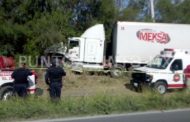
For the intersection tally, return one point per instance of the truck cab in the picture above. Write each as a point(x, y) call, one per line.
point(87, 51)
point(73, 53)
point(165, 71)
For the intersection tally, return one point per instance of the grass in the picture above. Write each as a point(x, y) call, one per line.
point(38, 107)
point(85, 85)
point(90, 95)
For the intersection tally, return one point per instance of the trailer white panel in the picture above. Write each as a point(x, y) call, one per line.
point(137, 42)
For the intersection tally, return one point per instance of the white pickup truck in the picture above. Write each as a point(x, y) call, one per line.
point(6, 84)
point(165, 71)
point(6, 81)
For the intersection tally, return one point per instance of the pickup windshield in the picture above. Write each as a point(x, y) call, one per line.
point(159, 62)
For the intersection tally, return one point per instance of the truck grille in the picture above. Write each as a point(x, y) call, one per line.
point(139, 76)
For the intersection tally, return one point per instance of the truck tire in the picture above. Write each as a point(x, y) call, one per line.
point(6, 92)
point(116, 72)
point(160, 87)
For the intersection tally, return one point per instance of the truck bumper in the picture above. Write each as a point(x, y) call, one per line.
point(137, 85)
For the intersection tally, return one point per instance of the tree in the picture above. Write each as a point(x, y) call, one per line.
point(36, 24)
point(166, 10)
point(48, 30)
point(183, 16)
point(33, 24)
point(135, 10)
point(175, 11)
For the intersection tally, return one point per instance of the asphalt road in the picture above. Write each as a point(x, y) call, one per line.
point(182, 115)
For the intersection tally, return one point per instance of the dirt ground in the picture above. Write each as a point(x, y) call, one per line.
point(85, 84)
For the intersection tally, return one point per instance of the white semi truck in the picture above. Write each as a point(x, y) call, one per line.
point(132, 43)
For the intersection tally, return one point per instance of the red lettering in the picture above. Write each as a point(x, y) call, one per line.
point(165, 37)
point(152, 36)
point(159, 37)
point(143, 36)
point(5, 73)
point(149, 37)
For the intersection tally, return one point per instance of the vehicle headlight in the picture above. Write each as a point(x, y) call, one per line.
point(149, 78)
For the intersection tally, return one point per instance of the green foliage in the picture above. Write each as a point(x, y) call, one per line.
point(183, 13)
point(128, 14)
point(49, 29)
point(34, 25)
point(6, 50)
point(90, 12)
point(30, 26)
point(10, 36)
point(167, 10)
point(174, 13)
point(107, 14)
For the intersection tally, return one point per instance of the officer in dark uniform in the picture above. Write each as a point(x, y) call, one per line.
point(20, 76)
point(53, 78)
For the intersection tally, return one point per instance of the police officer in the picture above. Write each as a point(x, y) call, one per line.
point(53, 78)
point(20, 76)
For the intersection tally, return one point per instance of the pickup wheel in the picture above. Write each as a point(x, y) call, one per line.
point(6, 92)
point(160, 87)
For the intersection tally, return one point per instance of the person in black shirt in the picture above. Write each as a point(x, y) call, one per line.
point(53, 78)
point(20, 76)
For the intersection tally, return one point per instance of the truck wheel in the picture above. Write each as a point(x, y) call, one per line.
point(6, 92)
point(116, 72)
point(161, 87)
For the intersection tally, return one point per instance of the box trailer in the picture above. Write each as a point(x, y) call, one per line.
point(132, 43)
point(136, 42)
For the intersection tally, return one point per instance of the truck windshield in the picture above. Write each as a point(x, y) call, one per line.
point(159, 62)
point(73, 43)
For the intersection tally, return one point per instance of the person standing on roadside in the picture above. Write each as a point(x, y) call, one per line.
point(20, 76)
point(53, 78)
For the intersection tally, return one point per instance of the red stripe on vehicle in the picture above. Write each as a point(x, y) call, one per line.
point(176, 85)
